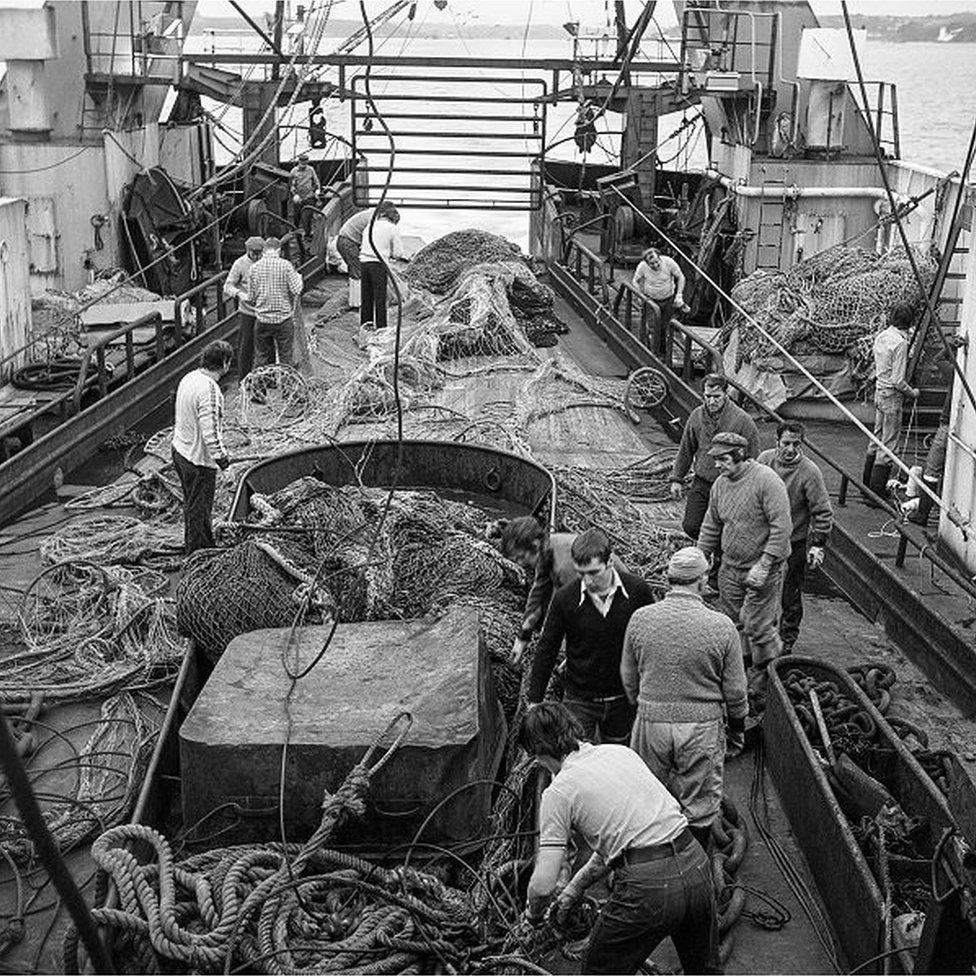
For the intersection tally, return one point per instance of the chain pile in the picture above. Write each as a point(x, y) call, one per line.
point(890, 839)
point(832, 303)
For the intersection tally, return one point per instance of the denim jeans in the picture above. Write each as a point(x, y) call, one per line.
point(245, 344)
point(613, 718)
point(696, 504)
point(372, 306)
point(670, 897)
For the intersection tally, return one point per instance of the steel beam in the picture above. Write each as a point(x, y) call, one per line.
point(587, 66)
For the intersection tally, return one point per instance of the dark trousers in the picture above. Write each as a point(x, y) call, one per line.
point(349, 252)
point(696, 505)
point(670, 897)
point(613, 719)
point(372, 307)
point(792, 605)
point(269, 336)
point(245, 344)
point(199, 484)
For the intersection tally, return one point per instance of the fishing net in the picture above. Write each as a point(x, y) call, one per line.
point(832, 303)
point(88, 630)
point(271, 396)
point(439, 265)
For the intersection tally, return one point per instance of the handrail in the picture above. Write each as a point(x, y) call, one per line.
point(198, 289)
point(923, 549)
point(97, 349)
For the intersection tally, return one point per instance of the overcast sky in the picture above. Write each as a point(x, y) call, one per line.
point(589, 12)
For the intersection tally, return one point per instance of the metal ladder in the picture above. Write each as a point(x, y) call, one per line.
point(769, 233)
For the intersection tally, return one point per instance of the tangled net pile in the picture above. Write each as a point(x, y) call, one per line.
point(306, 909)
point(89, 630)
point(109, 769)
point(430, 553)
point(832, 303)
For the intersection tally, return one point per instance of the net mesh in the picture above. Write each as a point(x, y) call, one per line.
point(832, 303)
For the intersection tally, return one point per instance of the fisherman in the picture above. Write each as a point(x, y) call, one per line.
point(198, 442)
point(304, 186)
point(592, 614)
point(350, 239)
point(236, 286)
point(715, 414)
point(660, 281)
point(548, 556)
point(662, 880)
point(749, 517)
point(274, 287)
point(890, 389)
point(682, 667)
point(381, 242)
point(812, 515)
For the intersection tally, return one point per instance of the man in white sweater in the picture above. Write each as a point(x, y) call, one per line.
point(198, 442)
point(381, 242)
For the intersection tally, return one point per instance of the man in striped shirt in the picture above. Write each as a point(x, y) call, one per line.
point(274, 288)
point(198, 442)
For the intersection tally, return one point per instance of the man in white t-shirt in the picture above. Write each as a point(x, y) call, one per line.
point(660, 282)
point(662, 879)
point(198, 442)
point(380, 244)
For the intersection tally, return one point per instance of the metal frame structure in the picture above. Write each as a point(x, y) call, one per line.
point(469, 189)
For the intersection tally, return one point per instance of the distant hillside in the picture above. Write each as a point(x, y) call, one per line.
point(949, 28)
point(344, 27)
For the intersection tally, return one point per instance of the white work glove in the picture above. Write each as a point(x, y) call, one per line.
point(757, 575)
point(815, 556)
point(677, 490)
point(518, 649)
point(915, 393)
point(297, 198)
point(735, 742)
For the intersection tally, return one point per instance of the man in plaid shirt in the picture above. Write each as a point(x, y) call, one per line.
point(274, 289)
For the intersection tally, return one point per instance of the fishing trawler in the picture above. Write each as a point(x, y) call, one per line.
point(107, 162)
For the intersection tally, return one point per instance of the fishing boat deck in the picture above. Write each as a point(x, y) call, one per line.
point(593, 436)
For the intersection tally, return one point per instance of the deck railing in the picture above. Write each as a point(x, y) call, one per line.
point(592, 271)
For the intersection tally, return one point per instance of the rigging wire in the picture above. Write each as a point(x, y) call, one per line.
point(949, 508)
point(876, 145)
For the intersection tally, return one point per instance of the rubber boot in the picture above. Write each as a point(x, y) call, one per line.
point(704, 837)
point(866, 473)
point(879, 482)
point(925, 504)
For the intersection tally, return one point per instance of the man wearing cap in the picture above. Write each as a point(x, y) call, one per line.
point(682, 667)
point(303, 186)
point(749, 518)
point(813, 519)
point(236, 286)
point(716, 413)
point(274, 287)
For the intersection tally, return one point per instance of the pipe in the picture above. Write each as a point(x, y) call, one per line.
point(795, 192)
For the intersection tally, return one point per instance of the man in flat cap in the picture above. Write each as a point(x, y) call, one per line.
point(682, 667)
point(749, 518)
point(235, 286)
point(303, 186)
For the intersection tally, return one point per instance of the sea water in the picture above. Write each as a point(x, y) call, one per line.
point(936, 102)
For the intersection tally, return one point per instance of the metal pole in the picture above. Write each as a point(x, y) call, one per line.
point(47, 849)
